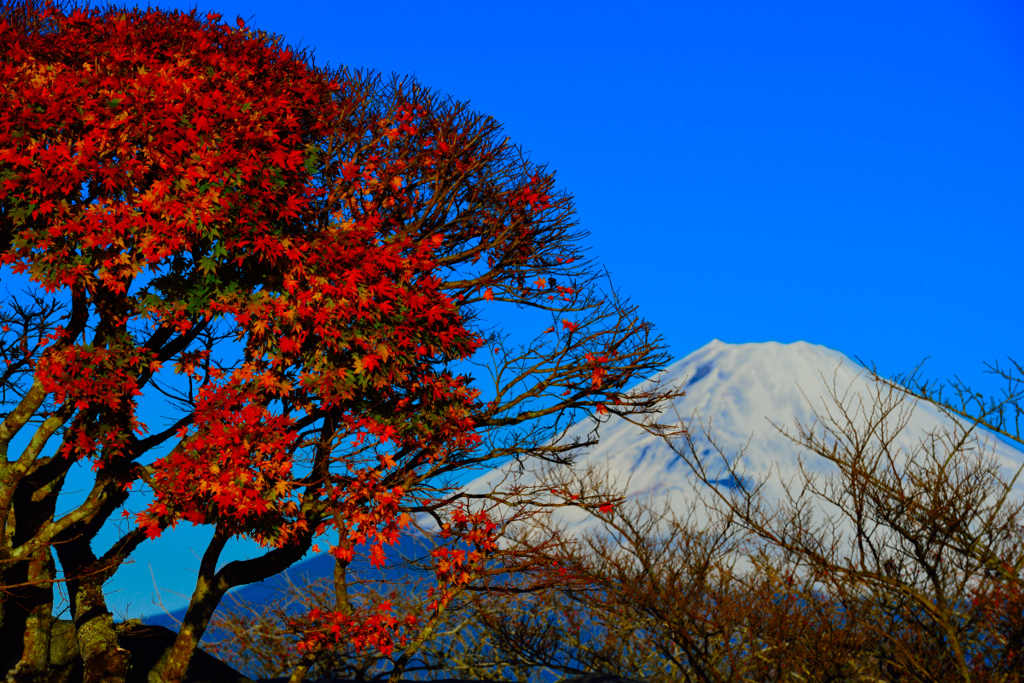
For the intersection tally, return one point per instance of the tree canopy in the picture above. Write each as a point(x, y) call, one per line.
point(301, 265)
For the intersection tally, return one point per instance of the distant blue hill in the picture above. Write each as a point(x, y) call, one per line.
point(319, 566)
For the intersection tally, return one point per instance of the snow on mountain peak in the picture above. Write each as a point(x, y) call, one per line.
point(739, 391)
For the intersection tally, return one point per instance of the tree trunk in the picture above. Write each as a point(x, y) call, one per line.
point(34, 639)
point(210, 588)
point(28, 604)
point(103, 659)
point(205, 598)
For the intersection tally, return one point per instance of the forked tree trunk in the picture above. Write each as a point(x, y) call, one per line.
point(210, 589)
point(172, 666)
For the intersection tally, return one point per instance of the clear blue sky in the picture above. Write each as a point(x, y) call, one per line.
point(846, 173)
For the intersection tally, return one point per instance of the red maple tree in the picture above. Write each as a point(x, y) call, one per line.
point(301, 263)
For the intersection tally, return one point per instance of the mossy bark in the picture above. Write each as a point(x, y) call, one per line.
point(35, 655)
point(28, 602)
point(103, 659)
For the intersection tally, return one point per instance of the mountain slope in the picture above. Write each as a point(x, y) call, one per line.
point(737, 391)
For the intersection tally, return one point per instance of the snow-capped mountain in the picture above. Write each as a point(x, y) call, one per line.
point(739, 391)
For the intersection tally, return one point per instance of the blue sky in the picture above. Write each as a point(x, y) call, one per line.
point(846, 173)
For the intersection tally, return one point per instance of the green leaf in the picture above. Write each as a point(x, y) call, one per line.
point(311, 161)
point(207, 265)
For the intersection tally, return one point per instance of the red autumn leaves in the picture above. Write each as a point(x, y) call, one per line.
point(173, 135)
point(181, 182)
